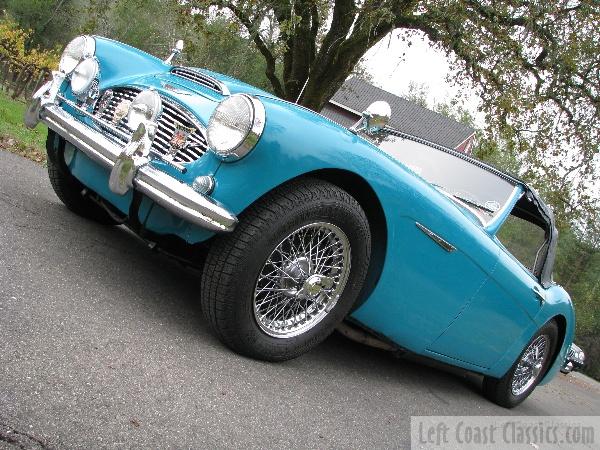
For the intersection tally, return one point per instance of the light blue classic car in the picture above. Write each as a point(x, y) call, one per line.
point(301, 226)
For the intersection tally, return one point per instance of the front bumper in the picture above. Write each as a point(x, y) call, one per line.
point(574, 361)
point(175, 196)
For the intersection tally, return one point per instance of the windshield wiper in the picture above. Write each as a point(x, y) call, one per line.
point(465, 200)
point(472, 203)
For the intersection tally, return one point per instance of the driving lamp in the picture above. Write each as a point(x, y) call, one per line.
point(79, 48)
point(147, 105)
point(83, 75)
point(235, 126)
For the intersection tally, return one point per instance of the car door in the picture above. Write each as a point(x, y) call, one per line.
point(439, 255)
point(508, 302)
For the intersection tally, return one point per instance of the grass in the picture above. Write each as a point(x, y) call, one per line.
point(14, 136)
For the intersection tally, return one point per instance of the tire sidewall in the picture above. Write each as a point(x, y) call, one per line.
point(503, 386)
point(323, 210)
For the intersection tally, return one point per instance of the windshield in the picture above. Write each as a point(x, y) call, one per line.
point(482, 192)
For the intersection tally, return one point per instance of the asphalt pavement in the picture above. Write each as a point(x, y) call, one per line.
point(102, 344)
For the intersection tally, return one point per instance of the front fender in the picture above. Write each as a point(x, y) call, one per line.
point(297, 141)
point(558, 303)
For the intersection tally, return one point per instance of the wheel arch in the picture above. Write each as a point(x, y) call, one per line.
point(365, 195)
point(561, 322)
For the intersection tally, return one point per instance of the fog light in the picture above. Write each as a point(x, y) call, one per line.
point(204, 184)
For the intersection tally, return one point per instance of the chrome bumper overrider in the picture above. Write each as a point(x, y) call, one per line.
point(129, 170)
point(574, 361)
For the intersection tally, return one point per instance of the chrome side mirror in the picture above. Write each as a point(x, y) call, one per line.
point(375, 118)
point(175, 52)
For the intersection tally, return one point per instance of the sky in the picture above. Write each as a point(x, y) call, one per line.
point(393, 65)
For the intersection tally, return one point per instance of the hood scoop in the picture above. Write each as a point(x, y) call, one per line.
point(200, 78)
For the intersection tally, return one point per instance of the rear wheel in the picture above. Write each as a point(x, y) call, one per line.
point(289, 273)
point(69, 189)
point(525, 374)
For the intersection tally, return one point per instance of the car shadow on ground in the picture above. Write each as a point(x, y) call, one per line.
point(179, 302)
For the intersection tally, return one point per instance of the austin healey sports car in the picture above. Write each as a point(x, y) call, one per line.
point(304, 225)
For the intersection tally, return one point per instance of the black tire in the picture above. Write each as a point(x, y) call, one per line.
point(68, 189)
point(235, 260)
point(499, 390)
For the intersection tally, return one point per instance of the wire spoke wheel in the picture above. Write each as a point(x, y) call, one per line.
point(530, 365)
point(302, 280)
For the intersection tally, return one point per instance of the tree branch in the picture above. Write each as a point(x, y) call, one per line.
point(254, 31)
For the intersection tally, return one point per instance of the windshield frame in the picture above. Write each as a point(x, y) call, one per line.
point(484, 220)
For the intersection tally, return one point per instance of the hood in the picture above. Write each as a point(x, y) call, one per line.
point(200, 96)
point(199, 100)
point(236, 86)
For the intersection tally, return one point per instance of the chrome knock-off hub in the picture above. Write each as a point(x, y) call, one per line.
point(302, 280)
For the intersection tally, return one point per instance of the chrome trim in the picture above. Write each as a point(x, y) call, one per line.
point(166, 122)
point(574, 361)
point(90, 80)
point(175, 52)
point(437, 239)
point(121, 134)
point(177, 197)
point(96, 119)
point(254, 134)
point(530, 366)
point(302, 280)
point(196, 76)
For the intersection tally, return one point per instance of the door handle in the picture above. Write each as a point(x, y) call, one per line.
point(540, 294)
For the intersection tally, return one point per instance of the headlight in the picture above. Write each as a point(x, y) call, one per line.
point(83, 75)
point(79, 48)
point(235, 126)
point(145, 106)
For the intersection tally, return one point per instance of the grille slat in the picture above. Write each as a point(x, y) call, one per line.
point(172, 116)
point(200, 78)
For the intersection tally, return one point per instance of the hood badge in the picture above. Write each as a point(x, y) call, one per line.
point(104, 102)
point(121, 110)
point(179, 140)
point(174, 89)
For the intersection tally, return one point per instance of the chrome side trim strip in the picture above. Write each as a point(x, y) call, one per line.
point(177, 197)
point(436, 238)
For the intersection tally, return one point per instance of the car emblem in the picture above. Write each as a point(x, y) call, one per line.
point(121, 111)
point(104, 102)
point(179, 139)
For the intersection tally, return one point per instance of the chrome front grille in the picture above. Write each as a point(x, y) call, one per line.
point(173, 119)
point(200, 78)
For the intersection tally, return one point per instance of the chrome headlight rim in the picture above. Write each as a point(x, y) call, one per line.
point(73, 56)
point(249, 141)
point(94, 70)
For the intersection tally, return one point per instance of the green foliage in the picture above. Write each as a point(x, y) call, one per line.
point(417, 93)
point(150, 25)
point(218, 46)
point(14, 46)
point(13, 134)
point(522, 239)
point(52, 22)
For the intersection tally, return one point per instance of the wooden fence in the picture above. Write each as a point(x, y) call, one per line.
point(20, 81)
